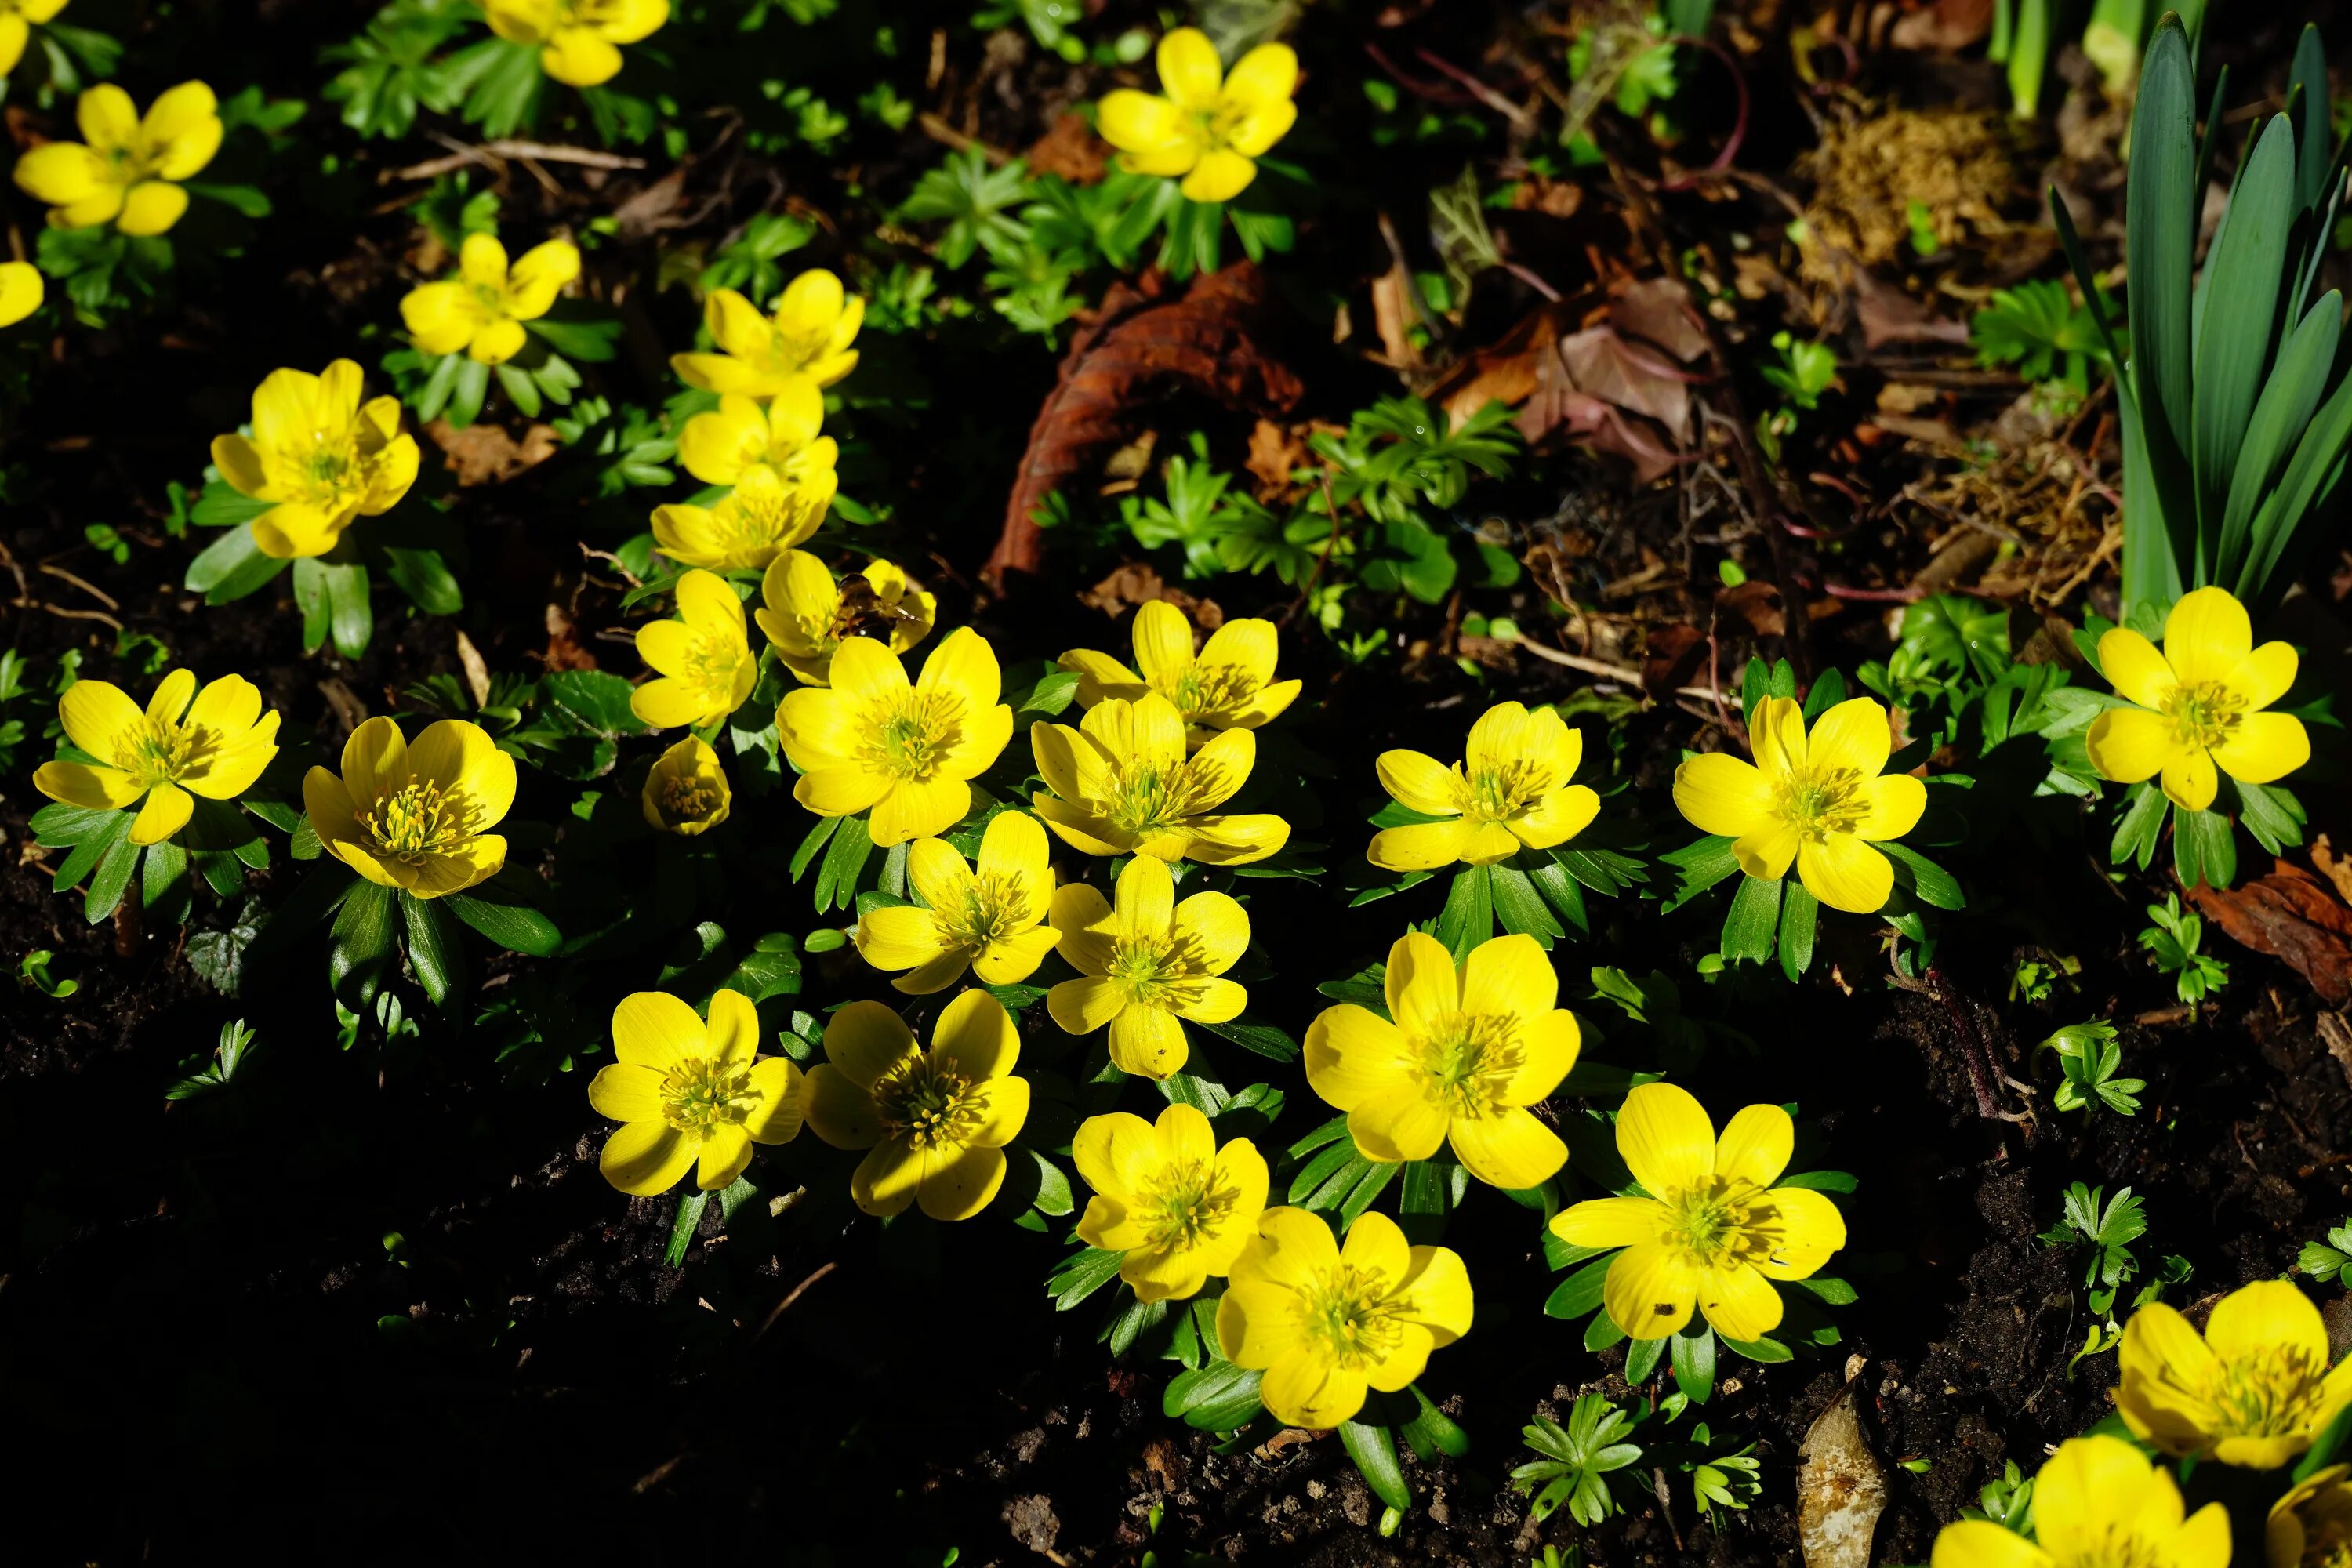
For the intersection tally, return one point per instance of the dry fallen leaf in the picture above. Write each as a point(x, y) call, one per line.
point(1841, 1488)
point(2289, 914)
point(486, 454)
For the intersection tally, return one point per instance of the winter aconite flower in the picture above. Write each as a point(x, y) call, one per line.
point(804, 343)
point(415, 817)
point(1712, 1232)
point(22, 290)
point(1818, 800)
point(704, 659)
point(320, 455)
point(750, 526)
point(1180, 1207)
point(2254, 1390)
point(214, 746)
point(1146, 963)
point(482, 310)
point(805, 612)
point(1207, 126)
point(719, 447)
point(937, 1122)
point(988, 920)
point(125, 170)
point(690, 1095)
point(2311, 1526)
point(1467, 1052)
point(2097, 1503)
point(579, 39)
point(1510, 792)
point(686, 790)
point(906, 749)
point(1327, 1325)
point(2200, 704)
point(1122, 783)
point(1228, 685)
point(16, 17)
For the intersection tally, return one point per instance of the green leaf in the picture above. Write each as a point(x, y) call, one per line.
point(1520, 908)
point(222, 505)
point(2240, 319)
point(1373, 1448)
point(111, 878)
point(1642, 1359)
point(1931, 883)
point(1220, 1397)
point(360, 951)
point(1579, 1293)
point(1751, 921)
point(352, 621)
point(1432, 1432)
point(1694, 1363)
point(508, 922)
point(435, 953)
point(1468, 918)
point(231, 567)
point(683, 1224)
point(1798, 911)
point(425, 578)
point(1766, 1351)
point(1251, 1036)
point(2162, 205)
point(1081, 1276)
point(163, 883)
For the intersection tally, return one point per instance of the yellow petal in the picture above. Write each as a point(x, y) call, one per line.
point(578, 57)
point(91, 788)
point(22, 288)
point(885, 1181)
point(1419, 783)
point(1755, 1144)
point(919, 809)
point(956, 1183)
point(1135, 121)
point(1261, 127)
point(1649, 1292)
point(1665, 1138)
point(1512, 1150)
point(1147, 1041)
point(1720, 794)
point(726, 1150)
point(1981, 1544)
point(1422, 984)
point(1163, 641)
point(1808, 1230)
point(1403, 1123)
point(1853, 734)
point(98, 716)
point(1892, 805)
point(777, 1084)
point(2128, 744)
point(1219, 176)
point(1604, 1223)
point(1510, 976)
point(975, 1036)
point(2207, 636)
point(2265, 675)
point(63, 173)
point(1189, 73)
point(2093, 1485)
point(627, 1093)
point(1558, 817)
point(2135, 668)
point(166, 812)
point(460, 755)
point(864, 1040)
point(839, 1111)
point(1083, 1006)
point(1218, 927)
point(654, 1029)
point(2267, 1317)
point(1739, 1302)
point(1421, 846)
point(106, 118)
point(646, 1158)
point(1116, 1154)
point(1353, 1056)
point(2265, 747)
point(2190, 780)
point(1267, 75)
point(1846, 873)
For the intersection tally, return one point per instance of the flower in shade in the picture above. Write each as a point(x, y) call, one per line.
point(1818, 800)
point(1203, 125)
point(686, 790)
point(2311, 1526)
point(579, 40)
point(1178, 1207)
point(2200, 704)
point(806, 342)
point(763, 516)
point(720, 447)
point(16, 17)
point(690, 1095)
point(415, 817)
point(935, 1123)
point(22, 290)
point(1121, 783)
point(320, 456)
point(126, 170)
point(2097, 1503)
point(215, 745)
point(908, 751)
point(1511, 792)
point(703, 658)
point(1228, 685)
point(1462, 1054)
point(989, 919)
point(805, 612)
point(1146, 963)
point(2254, 1390)
point(482, 310)
point(1327, 1325)
point(1710, 1230)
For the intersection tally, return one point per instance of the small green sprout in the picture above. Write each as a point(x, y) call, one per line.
point(35, 971)
point(2089, 1056)
point(229, 1057)
point(1578, 1459)
point(2173, 941)
point(2327, 1261)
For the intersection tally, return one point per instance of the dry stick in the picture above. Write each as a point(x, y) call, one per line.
point(939, 130)
point(61, 573)
point(790, 1297)
point(494, 153)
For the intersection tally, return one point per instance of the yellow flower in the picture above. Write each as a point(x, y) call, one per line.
point(1121, 783)
point(1180, 1207)
point(1820, 802)
point(1229, 685)
point(1512, 792)
point(16, 29)
point(991, 923)
point(805, 614)
point(806, 342)
point(2097, 1503)
point(2254, 1390)
point(1468, 1051)
point(125, 170)
point(1713, 1231)
point(482, 310)
point(2200, 704)
point(1208, 127)
point(704, 660)
point(935, 1120)
point(686, 790)
point(1146, 963)
point(2311, 1526)
point(577, 38)
point(871, 739)
point(752, 524)
point(688, 1094)
point(1327, 1325)
point(721, 447)
point(319, 454)
point(22, 290)
point(415, 817)
point(214, 746)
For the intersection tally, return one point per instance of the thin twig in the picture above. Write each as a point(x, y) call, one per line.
point(790, 1297)
point(61, 573)
point(495, 152)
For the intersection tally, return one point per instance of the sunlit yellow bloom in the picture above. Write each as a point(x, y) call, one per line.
point(1121, 783)
point(216, 746)
point(1468, 1051)
point(807, 614)
point(1819, 801)
point(935, 1120)
point(22, 290)
point(578, 39)
point(125, 170)
point(1228, 685)
point(2311, 1526)
point(1714, 1232)
point(2097, 1503)
point(690, 1095)
point(1511, 792)
point(416, 817)
point(1327, 1323)
point(704, 659)
point(686, 790)
point(2254, 1390)
point(16, 29)
point(991, 923)
point(482, 310)
point(751, 524)
point(1146, 963)
point(1208, 127)
point(322, 456)
point(720, 447)
point(2200, 703)
point(1180, 1207)
point(908, 751)
point(806, 343)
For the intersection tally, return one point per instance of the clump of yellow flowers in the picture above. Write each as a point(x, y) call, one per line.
point(214, 742)
point(579, 40)
point(320, 456)
point(1511, 792)
point(16, 17)
point(805, 612)
point(482, 310)
point(1177, 1206)
point(1204, 126)
point(988, 920)
point(1228, 685)
point(690, 1096)
point(703, 658)
point(686, 790)
point(806, 343)
point(1146, 963)
point(415, 817)
point(1123, 784)
point(781, 477)
point(2254, 1390)
point(2097, 1503)
point(127, 169)
point(2197, 704)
